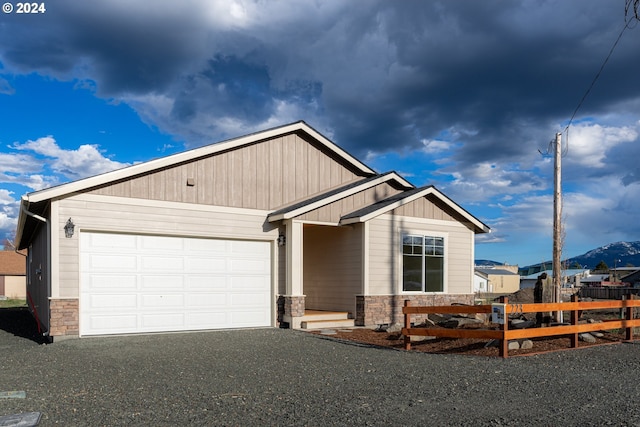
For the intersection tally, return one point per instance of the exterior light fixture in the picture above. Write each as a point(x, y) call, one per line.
point(68, 229)
point(281, 240)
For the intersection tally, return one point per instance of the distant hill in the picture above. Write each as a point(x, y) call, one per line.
point(618, 254)
point(486, 263)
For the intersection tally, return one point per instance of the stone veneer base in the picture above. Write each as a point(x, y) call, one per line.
point(64, 317)
point(374, 310)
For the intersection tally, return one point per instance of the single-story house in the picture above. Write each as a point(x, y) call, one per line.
point(257, 231)
point(13, 275)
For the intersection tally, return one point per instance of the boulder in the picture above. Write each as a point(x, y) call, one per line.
point(526, 345)
point(586, 337)
point(514, 345)
point(394, 329)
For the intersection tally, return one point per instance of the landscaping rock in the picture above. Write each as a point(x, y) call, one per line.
point(586, 337)
point(514, 345)
point(597, 334)
point(395, 328)
point(526, 344)
point(521, 324)
point(439, 318)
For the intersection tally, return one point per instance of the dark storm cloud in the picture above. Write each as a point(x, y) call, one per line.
point(384, 76)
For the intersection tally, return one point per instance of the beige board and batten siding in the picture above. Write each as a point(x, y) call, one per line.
point(265, 175)
point(332, 212)
point(332, 270)
point(124, 215)
point(385, 249)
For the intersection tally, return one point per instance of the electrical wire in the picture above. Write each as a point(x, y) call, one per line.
point(629, 5)
point(597, 76)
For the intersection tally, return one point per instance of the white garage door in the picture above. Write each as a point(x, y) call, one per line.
point(132, 284)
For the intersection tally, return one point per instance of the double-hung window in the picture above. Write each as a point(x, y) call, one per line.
point(422, 263)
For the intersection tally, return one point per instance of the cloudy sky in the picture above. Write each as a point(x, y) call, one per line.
point(464, 95)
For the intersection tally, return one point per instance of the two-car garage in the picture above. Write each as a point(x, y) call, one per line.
point(131, 283)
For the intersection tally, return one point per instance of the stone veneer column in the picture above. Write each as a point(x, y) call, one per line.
point(291, 310)
point(64, 316)
point(374, 310)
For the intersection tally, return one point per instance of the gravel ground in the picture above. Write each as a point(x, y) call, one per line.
point(283, 377)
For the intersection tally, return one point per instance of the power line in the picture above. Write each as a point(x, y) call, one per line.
point(597, 76)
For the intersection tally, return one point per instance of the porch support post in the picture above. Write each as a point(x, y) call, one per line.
point(294, 257)
point(294, 298)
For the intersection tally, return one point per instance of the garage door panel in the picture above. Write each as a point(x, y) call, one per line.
point(104, 262)
point(161, 244)
point(206, 300)
point(248, 266)
point(170, 282)
point(195, 320)
point(247, 318)
point(206, 283)
point(133, 284)
point(162, 301)
point(209, 246)
point(206, 265)
point(98, 282)
point(240, 248)
point(248, 284)
point(120, 241)
point(162, 322)
point(249, 300)
point(162, 263)
point(103, 324)
point(114, 302)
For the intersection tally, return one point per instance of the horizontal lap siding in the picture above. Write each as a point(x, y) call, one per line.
point(385, 266)
point(107, 214)
point(265, 176)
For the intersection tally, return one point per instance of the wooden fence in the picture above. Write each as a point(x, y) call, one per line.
point(504, 334)
point(607, 292)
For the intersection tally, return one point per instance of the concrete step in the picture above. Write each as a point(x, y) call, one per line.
point(311, 315)
point(327, 324)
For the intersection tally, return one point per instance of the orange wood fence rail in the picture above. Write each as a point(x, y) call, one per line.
point(504, 334)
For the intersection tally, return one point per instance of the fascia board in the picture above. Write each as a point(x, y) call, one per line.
point(335, 197)
point(127, 172)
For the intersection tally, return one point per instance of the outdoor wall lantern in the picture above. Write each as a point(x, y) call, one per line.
point(281, 240)
point(68, 229)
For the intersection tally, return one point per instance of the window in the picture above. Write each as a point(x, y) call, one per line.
point(422, 263)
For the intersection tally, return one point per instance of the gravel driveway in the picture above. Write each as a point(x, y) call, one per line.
point(283, 377)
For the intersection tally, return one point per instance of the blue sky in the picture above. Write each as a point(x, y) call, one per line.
point(459, 94)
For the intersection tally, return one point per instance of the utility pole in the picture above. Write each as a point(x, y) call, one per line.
point(557, 224)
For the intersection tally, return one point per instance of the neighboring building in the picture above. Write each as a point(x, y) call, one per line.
point(255, 231)
point(481, 282)
point(501, 279)
point(12, 275)
point(570, 278)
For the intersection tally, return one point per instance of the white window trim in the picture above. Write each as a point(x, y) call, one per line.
point(425, 233)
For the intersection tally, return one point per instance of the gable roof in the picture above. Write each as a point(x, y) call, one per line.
point(152, 165)
point(390, 203)
point(324, 199)
point(34, 205)
point(12, 264)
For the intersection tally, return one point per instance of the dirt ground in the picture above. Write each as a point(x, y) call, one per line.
point(477, 347)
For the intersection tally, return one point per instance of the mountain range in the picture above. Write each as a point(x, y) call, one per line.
point(619, 254)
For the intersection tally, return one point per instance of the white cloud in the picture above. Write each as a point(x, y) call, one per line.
point(589, 143)
point(87, 160)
